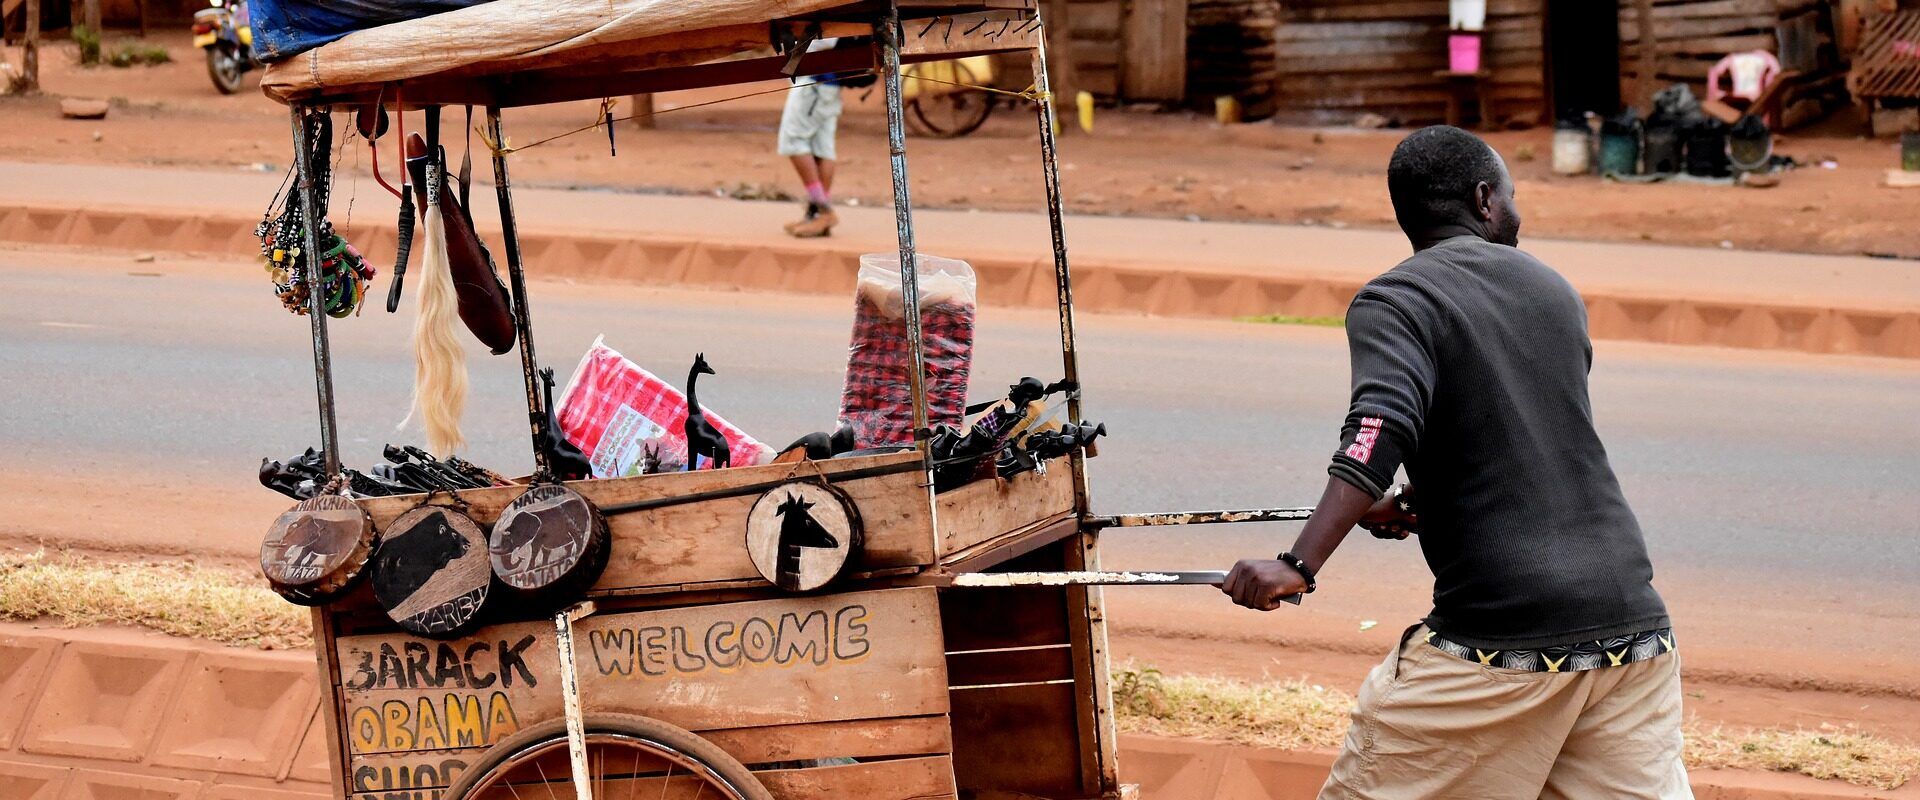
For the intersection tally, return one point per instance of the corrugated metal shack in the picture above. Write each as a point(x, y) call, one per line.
point(1339, 59)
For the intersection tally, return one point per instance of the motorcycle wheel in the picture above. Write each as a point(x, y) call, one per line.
point(223, 66)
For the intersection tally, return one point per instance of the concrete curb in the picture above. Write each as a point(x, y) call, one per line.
point(825, 267)
point(1181, 768)
point(103, 715)
point(95, 715)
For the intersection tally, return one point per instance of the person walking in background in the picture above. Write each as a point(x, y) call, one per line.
point(1546, 669)
point(808, 126)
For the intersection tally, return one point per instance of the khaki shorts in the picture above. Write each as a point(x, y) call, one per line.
point(1430, 725)
point(810, 120)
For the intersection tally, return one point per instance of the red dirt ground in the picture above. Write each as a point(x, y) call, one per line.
point(1134, 163)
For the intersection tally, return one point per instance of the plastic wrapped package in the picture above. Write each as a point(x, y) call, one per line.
point(615, 412)
point(877, 402)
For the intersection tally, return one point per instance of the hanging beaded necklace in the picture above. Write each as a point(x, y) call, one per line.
point(344, 273)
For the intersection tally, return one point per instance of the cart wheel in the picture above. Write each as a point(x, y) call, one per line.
point(954, 111)
point(627, 756)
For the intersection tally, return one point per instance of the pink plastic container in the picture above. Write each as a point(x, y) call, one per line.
point(1463, 50)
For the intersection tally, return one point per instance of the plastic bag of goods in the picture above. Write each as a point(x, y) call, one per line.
point(878, 399)
point(616, 412)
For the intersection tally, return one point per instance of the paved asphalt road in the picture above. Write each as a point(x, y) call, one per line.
point(1777, 491)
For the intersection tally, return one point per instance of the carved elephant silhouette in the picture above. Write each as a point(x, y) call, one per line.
point(549, 527)
point(310, 535)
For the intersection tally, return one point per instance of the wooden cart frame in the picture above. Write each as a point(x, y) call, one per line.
point(931, 693)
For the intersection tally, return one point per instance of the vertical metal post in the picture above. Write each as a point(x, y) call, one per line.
point(1063, 282)
point(888, 39)
point(570, 697)
point(316, 291)
point(1088, 627)
point(517, 280)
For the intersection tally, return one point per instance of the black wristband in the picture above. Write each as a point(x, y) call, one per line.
point(1301, 567)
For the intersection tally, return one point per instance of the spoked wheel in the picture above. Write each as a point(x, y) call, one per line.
point(628, 758)
point(946, 111)
point(223, 66)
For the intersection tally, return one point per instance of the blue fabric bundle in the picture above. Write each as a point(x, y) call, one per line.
point(283, 28)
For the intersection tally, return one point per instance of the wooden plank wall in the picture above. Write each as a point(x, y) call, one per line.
point(1175, 51)
point(1096, 37)
point(1339, 59)
point(1154, 66)
point(1690, 36)
point(1231, 52)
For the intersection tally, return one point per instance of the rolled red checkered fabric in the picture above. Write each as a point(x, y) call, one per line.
point(877, 402)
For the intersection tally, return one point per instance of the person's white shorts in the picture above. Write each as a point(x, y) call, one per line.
point(811, 118)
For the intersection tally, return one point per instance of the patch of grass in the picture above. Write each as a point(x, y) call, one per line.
point(1841, 753)
point(1296, 715)
point(1293, 319)
point(131, 53)
point(89, 43)
point(1288, 714)
point(179, 598)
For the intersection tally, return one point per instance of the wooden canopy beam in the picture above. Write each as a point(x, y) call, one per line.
point(925, 40)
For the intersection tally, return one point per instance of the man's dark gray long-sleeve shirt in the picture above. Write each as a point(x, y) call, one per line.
point(1470, 364)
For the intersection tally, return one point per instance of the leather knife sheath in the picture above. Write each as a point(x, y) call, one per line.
point(483, 298)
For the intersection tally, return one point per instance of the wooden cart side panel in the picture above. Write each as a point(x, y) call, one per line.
point(999, 667)
point(984, 510)
point(866, 738)
point(1020, 738)
point(857, 655)
point(1010, 663)
point(924, 778)
point(331, 710)
point(911, 737)
point(929, 778)
point(1001, 618)
point(705, 541)
point(1087, 619)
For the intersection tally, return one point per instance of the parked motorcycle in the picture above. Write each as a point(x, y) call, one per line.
point(226, 33)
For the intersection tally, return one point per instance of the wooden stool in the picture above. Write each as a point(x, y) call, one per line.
point(1461, 84)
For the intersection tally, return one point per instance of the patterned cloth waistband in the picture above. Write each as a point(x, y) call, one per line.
point(1577, 657)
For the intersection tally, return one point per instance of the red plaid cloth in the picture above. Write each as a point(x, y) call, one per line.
point(613, 410)
point(878, 399)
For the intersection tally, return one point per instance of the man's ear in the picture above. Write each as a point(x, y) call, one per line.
point(1483, 201)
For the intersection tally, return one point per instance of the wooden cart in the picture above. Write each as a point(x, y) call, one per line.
point(885, 685)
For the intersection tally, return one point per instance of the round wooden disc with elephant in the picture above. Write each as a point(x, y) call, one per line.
point(550, 541)
point(317, 549)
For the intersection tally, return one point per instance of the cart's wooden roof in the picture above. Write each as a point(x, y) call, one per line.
point(525, 52)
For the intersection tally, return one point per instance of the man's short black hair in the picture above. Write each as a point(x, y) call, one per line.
point(1432, 175)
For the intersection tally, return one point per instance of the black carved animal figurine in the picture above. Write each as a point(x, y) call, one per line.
point(702, 438)
point(405, 563)
point(798, 529)
point(563, 458)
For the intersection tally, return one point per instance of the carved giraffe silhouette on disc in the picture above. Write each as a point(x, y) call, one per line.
point(798, 530)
